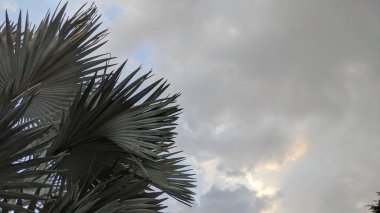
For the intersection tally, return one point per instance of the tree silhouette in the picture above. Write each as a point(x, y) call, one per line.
point(74, 137)
point(375, 206)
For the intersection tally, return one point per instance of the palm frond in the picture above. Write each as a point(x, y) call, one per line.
point(117, 193)
point(21, 175)
point(117, 124)
point(53, 56)
point(74, 140)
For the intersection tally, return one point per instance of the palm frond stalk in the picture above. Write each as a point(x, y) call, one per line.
point(74, 137)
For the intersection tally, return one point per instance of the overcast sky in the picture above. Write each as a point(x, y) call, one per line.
point(281, 98)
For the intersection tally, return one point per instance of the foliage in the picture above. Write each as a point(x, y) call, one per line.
point(375, 207)
point(73, 136)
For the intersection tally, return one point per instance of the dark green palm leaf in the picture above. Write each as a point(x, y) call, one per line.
point(21, 176)
point(117, 124)
point(117, 193)
point(54, 56)
point(61, 123)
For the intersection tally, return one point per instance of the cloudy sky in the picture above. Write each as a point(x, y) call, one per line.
point(281, 98)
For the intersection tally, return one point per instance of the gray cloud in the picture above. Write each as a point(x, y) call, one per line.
point(256, 76)
point(252, 72)
point(240, 199)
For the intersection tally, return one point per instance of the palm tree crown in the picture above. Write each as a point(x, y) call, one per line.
point(74, 137)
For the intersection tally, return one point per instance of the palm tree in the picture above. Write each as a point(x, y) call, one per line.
point(74, 137)
point(375, 206)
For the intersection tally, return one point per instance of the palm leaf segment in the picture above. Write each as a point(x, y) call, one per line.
point(23, 167)
point(53, 56)
point(76, 141)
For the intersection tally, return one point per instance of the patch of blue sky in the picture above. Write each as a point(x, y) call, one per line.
point(111, 12)
point(144, 53)
point(36, 10)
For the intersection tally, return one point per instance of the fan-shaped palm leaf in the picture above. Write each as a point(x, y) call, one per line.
point(116, 125)
point(72, 140)
point(52, 56)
